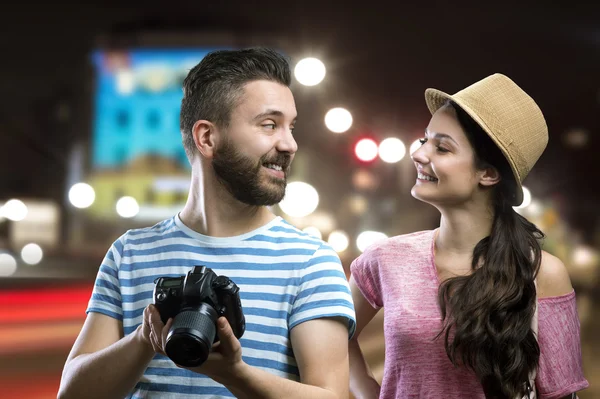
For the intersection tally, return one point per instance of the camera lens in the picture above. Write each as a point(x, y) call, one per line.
point(191, 336)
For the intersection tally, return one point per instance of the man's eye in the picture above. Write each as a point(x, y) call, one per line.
point(269, 126)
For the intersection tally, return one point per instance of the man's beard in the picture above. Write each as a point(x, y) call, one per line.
point(242, 176)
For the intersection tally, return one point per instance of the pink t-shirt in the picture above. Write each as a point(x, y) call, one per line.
point(399, 275)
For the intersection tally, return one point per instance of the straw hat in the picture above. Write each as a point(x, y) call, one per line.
point(508, 115)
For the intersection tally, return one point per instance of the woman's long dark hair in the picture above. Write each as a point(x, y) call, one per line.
point(487, 314)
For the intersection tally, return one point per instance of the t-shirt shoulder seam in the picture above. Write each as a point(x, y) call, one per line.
point(402, 240)
point(558, 298)
point(573, 387)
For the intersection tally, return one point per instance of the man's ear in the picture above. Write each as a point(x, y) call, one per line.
point(489, 176)
point(204, 134)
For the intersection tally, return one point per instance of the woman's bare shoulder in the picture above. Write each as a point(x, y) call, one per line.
point(553, 278)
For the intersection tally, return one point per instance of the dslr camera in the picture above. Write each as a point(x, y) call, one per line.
point(195, 301)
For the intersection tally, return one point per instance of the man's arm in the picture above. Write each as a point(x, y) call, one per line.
point(320, 347)
point(321, 350)
point(103, 364)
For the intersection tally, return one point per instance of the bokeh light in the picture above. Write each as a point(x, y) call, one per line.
point(127, 207)
point(32, 254)
point(310, 71)
point(415, 146)
point(8, 265)
point(366, 150)
point(338, 240)
point(301, 199)
point(584, 256)
point(125, 80)
point(14, 210)
point(82, 195)
point(313, 231)
point(338, 120)
point(367, 238)
point(526, 199)
point(392, 150)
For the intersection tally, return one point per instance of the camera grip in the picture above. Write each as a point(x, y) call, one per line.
point(163, 310)
point(235, 315)
point(230, 300)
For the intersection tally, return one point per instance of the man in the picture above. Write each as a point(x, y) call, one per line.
point(237, 120)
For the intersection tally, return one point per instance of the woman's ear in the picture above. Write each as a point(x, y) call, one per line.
point(489, 177)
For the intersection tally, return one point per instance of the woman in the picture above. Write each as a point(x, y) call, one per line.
point(459, 302)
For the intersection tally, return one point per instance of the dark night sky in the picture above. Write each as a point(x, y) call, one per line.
point(380, 59)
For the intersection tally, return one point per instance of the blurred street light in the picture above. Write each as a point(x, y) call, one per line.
point(127, 207)
point(8, 265)
point(414, 146)
point(584, 257)
point(367, 238)
point(392, 150)
point(82, 195)
point(576, 138)
point(32, 254)
point(526, 199)
point(338, 120)
point(366, 150)
point(125, 81)
point(313, 231)
point(14, 210)
point(309, 71)
point(338, 240)
point(301, 199)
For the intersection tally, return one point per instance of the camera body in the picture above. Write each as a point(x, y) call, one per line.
point(195, 301)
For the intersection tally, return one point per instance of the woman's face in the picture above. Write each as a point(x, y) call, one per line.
point(445, 162)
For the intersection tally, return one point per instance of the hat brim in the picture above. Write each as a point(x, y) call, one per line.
point(435, 99)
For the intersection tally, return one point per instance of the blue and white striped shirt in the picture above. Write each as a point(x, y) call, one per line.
point(285, 277)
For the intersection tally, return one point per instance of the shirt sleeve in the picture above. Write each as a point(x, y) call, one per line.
point(365, 271)
point(106, 295)
point(560, 370)
point(323, 291)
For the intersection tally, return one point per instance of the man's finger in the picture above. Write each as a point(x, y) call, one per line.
point(165, 332)
point(226, 337)
point(154, 314)
point(156, 328)
point(146, 322)
point(155, 321)
point(154, 342)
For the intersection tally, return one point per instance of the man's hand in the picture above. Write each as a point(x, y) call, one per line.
point(225, 356)
point(154, 332)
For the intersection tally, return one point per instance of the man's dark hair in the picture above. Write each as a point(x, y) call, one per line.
point(212, 88)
